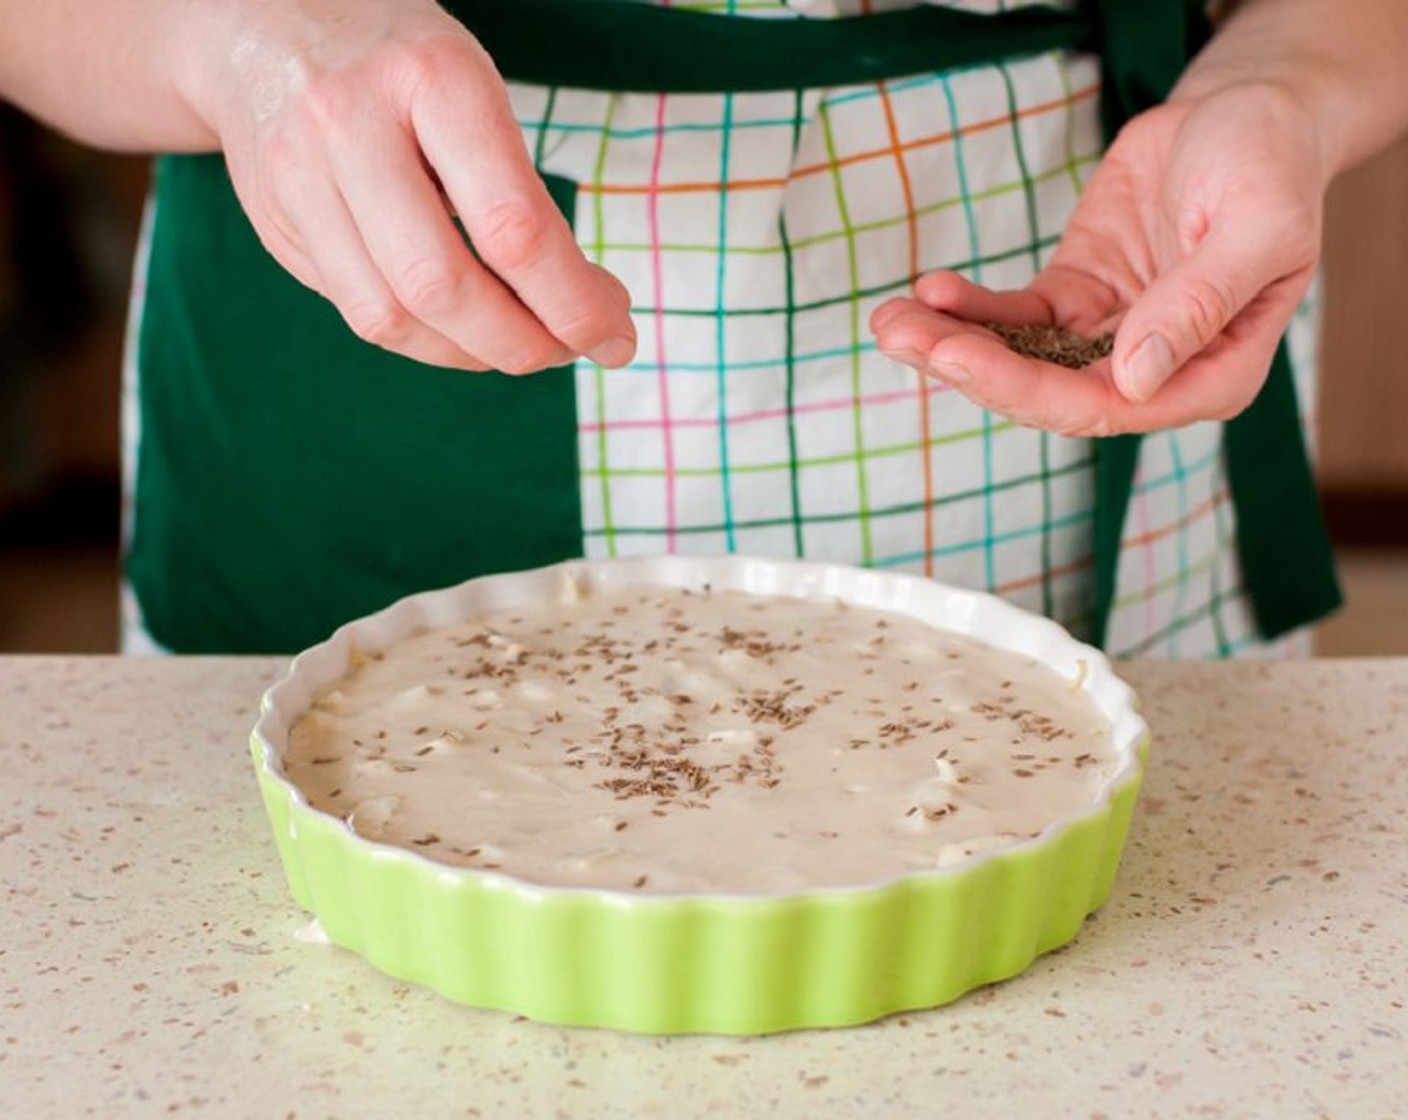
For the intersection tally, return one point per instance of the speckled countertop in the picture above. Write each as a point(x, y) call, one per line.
point(1252, 962)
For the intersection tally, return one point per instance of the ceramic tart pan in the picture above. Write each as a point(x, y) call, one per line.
point(703, 962)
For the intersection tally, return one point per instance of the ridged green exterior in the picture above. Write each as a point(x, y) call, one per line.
point(708, 965)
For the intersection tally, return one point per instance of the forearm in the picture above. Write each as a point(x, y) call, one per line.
point(1341, 61)
point(111, 74)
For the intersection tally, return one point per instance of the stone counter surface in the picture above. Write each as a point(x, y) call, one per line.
point(1253, 960)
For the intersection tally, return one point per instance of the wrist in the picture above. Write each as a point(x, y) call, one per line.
point(1291, 107)
point(220, 60)
point(1341, 62)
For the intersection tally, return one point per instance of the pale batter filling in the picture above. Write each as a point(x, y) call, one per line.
point(660, 740)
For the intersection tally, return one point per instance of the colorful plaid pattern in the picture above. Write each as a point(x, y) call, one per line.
point(756, 232)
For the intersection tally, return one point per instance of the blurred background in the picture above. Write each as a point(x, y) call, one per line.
point(68, 226)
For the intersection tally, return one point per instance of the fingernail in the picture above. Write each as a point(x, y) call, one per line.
point(613, 352)
point(951, 373)
point(1148, 367)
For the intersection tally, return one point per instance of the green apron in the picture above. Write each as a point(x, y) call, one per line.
point(236, 547)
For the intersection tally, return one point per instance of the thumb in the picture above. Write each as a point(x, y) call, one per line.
point(1182, 311)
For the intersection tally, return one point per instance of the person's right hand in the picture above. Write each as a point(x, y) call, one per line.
point(353, 131)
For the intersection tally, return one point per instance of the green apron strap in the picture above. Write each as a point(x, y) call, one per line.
point(1282, 540)
point(1283, 545)
point(628, 45)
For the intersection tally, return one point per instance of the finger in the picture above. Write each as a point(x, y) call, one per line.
point(1059, 294)
point(1080, 299)
point(908, 331)
point(275, 233)
point(510, 217)
point(422, 258)
point(887, 311)
point(288, 252)
point(1185, 309)
point(947, 291)
point(343, 271)
point(956, 295)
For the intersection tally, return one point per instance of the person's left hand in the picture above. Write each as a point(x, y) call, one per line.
point(1194, 241)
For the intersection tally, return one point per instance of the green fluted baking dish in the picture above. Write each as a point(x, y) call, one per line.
point(745, 964)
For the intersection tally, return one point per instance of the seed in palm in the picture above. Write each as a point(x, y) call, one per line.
point(1054, 344)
